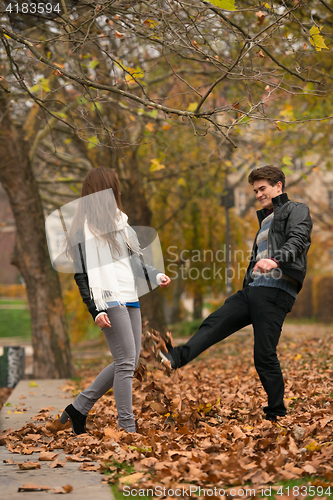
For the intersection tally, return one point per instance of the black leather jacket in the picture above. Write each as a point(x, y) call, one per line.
point(141, 273)
point(288, 238)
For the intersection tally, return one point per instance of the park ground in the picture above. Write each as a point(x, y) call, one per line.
point(203, 425)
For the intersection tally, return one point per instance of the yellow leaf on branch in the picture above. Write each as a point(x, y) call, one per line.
point(316, 39)
point(156, 165)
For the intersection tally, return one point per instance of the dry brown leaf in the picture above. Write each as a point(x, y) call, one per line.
point(57, 463)
point(291, 468)
point(132, 478)
point(118, 35)
point(27, 451)
point(31, 437)
point(158, 407)
point(34, 487)
point(67, 488)
point(29, 465)
point(112, 433)
point(261, 16)
point(77, 458)
point(326, 420)
point(292, 446)
point(89, 467)
point(309, 469)
point(238, 433)
point(47, 456)
point(56, 425)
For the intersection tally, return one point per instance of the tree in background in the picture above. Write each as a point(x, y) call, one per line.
point(52, 356)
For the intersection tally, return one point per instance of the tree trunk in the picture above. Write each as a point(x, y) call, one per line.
point(175, 306)
point(197, 306)
point(52, 356)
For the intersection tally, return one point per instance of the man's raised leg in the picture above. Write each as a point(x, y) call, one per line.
point(232, 316)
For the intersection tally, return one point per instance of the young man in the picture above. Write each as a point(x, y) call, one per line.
point(273, 279)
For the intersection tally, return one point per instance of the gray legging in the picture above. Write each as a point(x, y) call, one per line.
point(124, 341)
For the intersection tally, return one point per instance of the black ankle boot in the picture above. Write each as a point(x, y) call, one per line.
point(78, 421)
point(272, 418)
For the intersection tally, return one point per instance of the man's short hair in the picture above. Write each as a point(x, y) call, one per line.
point(271, 174)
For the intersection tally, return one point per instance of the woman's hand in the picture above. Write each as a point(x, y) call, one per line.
point(103, 321)
point(165, 281)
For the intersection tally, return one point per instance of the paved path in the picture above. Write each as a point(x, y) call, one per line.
point(46, 393)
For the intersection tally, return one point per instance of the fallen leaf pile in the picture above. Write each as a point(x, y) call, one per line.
point(204, 424)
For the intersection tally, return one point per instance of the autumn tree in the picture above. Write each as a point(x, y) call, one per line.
point(52, 357)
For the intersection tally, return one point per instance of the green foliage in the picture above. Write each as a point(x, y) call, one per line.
point(224, 4)
point(185, 328)
point(93, 141)
point(117, 469)
point(192, 106)
point(286, 160)
point(73, 188)
point(316, 39)
point(4, 302)
point(15, 323)
point(60, 114)
point(156, 165)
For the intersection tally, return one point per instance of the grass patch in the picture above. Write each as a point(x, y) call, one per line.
point(20, 302)
point(117, 470)
point(119, 495)
point(94, 332)
point(15, 323)
point(185, 328)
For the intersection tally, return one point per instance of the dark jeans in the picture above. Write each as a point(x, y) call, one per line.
point(263, 307)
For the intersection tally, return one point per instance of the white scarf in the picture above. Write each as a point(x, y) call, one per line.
point(102, 277)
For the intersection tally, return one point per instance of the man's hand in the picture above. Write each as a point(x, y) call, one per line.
point(165, 281)
point(103, 321)
point(265, 265)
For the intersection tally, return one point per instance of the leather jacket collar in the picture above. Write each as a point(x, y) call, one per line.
point(278, 201)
